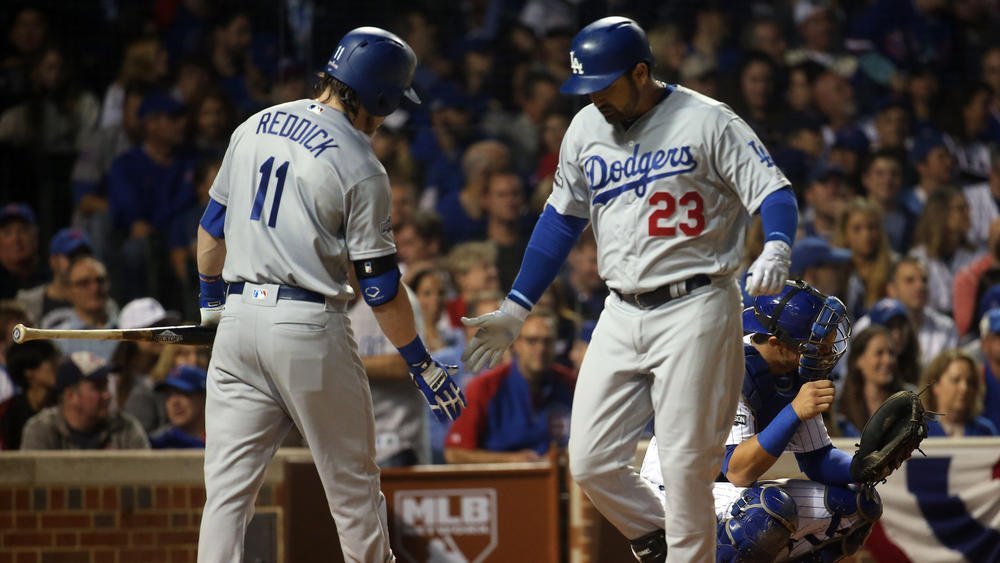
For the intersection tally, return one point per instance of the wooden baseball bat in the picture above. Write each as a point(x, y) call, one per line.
point(187, 334)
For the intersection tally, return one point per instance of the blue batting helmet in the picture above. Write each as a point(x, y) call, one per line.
point(378, 66)
point(802, 317)
point(603, 51)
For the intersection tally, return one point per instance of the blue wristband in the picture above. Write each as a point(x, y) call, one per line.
point(414, 353)
point(212, 291)
point(775, 436)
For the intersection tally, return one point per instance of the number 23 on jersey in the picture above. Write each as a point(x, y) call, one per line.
point(689, 209)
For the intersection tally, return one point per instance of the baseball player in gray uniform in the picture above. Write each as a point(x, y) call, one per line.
point(795, 338)
point(299, 199)
point(668, 179)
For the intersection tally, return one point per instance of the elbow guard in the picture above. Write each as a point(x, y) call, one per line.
point(379, 279)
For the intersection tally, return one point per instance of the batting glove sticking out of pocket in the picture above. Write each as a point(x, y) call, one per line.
point(442, 393)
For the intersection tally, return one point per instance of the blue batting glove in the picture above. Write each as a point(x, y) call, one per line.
point(211, 299)
point(440, 390)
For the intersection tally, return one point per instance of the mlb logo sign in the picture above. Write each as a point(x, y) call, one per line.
point(259, 294)
point(445, 526)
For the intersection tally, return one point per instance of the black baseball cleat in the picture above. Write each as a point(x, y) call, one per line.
point(651, 548)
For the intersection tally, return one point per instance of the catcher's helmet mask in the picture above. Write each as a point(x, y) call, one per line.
point(804, 318)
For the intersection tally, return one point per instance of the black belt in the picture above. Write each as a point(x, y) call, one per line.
point(664, 294)
point(284, 292)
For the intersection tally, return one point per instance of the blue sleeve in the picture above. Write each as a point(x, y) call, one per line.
point(779, 213)
point(550, 243)
point(828, 465)
point(214, 219)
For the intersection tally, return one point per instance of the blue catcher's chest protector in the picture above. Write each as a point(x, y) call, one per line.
point(764, 392)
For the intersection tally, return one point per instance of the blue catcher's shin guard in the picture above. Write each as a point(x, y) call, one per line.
point(759, 526)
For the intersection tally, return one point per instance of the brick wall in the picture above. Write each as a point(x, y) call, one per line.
point(141, 508)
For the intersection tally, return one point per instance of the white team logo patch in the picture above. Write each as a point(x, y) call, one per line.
point(575, 66)
point(449, 526)
point(259, 294)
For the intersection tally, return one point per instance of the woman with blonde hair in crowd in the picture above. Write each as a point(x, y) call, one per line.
point(954, 390)
point(941, 244)
point(861, 231)
point(872, 375)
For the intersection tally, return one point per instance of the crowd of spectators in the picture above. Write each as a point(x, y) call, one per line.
point(114, 117)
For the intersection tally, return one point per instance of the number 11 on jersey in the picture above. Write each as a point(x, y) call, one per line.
point(265, 179)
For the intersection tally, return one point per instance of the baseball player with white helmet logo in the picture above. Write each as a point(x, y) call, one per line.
point(299, 199)
point(795, 339)
point(668, 179)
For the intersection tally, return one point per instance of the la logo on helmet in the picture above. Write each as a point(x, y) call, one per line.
point(574, 64)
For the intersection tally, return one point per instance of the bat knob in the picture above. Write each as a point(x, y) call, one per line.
point(18, 333)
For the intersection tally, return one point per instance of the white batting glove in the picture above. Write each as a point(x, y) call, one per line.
point(497, 330)
point(769, 271)
point(210, 316)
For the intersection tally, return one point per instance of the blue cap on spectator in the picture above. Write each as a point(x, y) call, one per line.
point(924, 144)
point(67, 241)
point(809, 252)
point(78, 366)
point(186, 379)
point(825, 172)
point(160, 102)
point(885, 310)
point(853, 140)
point(990, 322)
point(16, 212)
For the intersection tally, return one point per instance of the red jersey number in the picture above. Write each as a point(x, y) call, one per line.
point(665, 206)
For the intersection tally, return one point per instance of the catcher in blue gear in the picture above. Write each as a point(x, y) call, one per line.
point(793, 340)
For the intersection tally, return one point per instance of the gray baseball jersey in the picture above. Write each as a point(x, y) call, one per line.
point(305, 195)
point(699, 168)
point(303, 165)
point(668, 197)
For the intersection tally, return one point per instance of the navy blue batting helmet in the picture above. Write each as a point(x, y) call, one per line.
point(802, 317)
point(603, 51)
point(378, 66)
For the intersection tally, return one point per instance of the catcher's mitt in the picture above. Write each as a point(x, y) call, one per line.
point(889, 437)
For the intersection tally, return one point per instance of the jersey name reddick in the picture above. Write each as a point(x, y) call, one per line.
point(638, 169)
